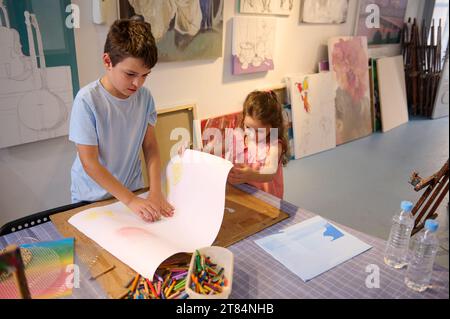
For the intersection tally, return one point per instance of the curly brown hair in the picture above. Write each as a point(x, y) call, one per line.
point(131, 38)
point(265, 107)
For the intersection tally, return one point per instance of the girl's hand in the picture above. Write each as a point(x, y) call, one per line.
point(240, 174)
point(144, 209)
point(158, 201)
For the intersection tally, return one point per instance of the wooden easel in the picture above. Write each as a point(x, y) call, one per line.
point(11, 258)
point(422, 59)
point(437, 188)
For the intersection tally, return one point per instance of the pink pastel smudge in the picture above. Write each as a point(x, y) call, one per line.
point(133, 232)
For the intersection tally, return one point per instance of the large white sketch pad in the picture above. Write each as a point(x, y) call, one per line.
point(197, 191)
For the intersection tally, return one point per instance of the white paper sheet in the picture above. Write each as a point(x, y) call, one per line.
point(196, 188)
point(312, 247)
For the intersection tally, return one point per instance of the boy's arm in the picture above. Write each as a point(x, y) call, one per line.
point(153, 164)
point(89, 159)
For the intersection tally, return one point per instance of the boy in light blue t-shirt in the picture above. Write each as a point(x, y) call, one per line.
point(112, 118)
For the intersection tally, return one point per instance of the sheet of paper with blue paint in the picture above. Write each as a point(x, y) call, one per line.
point(312, 247)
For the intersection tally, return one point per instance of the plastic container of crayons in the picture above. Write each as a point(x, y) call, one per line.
point(210, 273)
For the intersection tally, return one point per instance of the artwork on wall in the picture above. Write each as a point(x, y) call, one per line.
point(392, 89)
point(349, 67)
point(323, 11)
point(441, 104)
point(38, 71)
point(392, 14)
point(253, 44)
point(183, 29)
point(313, 113)
point(270, 7)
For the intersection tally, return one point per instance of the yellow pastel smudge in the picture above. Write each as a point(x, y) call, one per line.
point(305, 84)
point(177, 173)
point(96, 215)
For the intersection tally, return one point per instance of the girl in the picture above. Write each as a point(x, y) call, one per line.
point(260, 147)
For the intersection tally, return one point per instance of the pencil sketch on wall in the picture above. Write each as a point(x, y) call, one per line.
point(34, 100)
point(253, 44)
point(271, 7)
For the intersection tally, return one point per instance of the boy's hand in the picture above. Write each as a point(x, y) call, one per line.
point(144, 209)
point(159, 202)
point(240, 174)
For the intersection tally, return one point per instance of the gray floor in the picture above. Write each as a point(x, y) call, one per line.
point(361, 184)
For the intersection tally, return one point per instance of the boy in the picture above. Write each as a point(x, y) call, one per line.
point(112, 118)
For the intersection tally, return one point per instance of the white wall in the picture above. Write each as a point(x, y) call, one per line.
point(36, 176)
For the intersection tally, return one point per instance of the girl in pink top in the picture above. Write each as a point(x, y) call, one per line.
point(259, 149)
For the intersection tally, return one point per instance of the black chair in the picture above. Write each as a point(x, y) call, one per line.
point(36, 219)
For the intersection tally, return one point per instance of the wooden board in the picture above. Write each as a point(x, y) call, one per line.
point(250, 215)
point(169, 119)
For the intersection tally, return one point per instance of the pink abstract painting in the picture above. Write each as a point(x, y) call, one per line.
point(349, 66)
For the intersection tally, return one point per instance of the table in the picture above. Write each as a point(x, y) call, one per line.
point(258, 276)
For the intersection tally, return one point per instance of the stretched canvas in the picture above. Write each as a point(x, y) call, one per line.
point(349, 62)
point(385, 30)
point(223, 122)
point(183, 29)
point(441, 103)
point(253, 44)
point(313, 113)
point(324, 11)
point(392, 89)
point(38, 71)
point(271, 7)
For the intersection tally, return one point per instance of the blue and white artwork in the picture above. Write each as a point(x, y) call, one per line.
point(312, 247)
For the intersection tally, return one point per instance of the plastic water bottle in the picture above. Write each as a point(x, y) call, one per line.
point(396, 253)
point(424, 247)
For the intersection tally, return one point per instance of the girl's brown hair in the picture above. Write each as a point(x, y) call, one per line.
point(131, 38)
point(265, 107)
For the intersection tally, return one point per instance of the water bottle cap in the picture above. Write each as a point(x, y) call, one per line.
point(431, 225)
point(406, 206)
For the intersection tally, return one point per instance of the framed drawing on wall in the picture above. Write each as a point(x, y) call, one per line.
point(385, 30)
point(323, 12)
point(183, 30)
